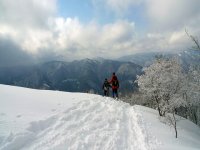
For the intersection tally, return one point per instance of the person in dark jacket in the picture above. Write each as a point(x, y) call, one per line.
point(115, 85)
point(105, 87)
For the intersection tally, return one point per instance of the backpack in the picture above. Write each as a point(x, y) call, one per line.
point(106, 86)
point(115, 83)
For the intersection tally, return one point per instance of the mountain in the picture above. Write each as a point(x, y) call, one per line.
point(76, 76)
point(189, 57)
point(37, 119)
point(142, 59)
point(88, 74)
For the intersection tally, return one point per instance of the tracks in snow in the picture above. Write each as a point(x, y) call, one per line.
point(99, 124)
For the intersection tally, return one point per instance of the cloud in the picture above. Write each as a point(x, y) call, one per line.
point(161, 14)
point(166, 21)
point(45, 34)
point(92, 40)
point(33, 27)
point(12, 55)
point(119, 8)
point(170, 14)
point(70, 38)
point(26, 22)
point(24, 13)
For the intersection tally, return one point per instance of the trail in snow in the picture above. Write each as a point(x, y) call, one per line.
point(88, 125)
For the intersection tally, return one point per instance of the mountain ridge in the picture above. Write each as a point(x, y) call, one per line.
point(75, 76)
point(88, 74)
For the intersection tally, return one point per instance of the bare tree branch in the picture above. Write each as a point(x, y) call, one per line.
point(194, 39)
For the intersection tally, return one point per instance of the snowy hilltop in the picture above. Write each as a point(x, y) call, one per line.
point(52, 120)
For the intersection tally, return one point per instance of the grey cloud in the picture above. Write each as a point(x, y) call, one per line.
point(26, 12)
point(172, 15)
point(12, 55)
point(59, 38)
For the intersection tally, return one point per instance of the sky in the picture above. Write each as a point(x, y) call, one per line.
point(76, 29)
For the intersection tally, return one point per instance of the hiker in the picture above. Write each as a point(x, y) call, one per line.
point(105, 87)
point(115, 85)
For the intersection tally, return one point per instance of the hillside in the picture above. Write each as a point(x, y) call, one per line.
point(187, 57)
point(38, 119)
point(87, 74)
point(77, 76)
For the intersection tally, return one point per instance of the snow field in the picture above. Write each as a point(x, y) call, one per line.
point(51, 120)
point(90, 124)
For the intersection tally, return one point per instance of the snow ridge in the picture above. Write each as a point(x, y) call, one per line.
point(88, 125)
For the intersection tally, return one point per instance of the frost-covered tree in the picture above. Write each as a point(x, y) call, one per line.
point(162, 84)
point(135, 98)
point(192, 95)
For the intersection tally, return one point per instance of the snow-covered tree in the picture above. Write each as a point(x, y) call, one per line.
point(162, 84)
point(192, 94)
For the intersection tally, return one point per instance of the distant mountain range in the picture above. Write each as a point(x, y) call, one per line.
point(88, 74)
point(187, 58)
point(76, 76)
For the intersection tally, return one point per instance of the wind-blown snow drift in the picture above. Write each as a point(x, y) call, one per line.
point(44, 120)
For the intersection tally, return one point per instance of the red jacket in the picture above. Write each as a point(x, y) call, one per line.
point(114, 78)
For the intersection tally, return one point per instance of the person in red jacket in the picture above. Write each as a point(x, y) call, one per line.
point(115, 85)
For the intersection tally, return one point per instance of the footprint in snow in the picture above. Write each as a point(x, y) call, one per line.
point(19, 116)
point(2, 114)
point(53, 110)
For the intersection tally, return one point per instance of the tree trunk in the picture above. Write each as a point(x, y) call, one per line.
point(175, 127)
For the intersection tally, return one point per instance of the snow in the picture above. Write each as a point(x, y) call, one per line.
point(188, 132)
point(53, 120)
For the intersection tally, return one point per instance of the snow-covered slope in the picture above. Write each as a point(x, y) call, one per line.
point(44, 120)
